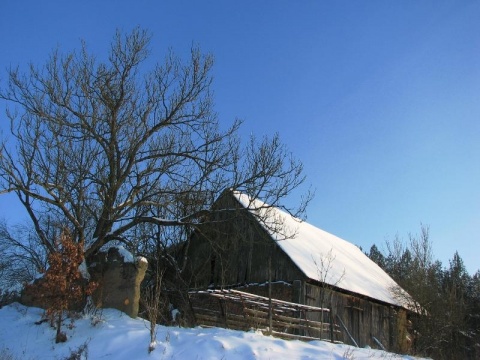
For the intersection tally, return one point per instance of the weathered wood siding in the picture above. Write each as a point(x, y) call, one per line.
point(236, 251)
point(363, 318)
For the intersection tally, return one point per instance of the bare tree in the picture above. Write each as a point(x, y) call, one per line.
point(104, 145)
point(442, 302)
point(414, 268)
point(329, 278)
point(23, 258)
point(152, 302)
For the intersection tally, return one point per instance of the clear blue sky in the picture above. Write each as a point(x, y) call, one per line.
point(379, 99)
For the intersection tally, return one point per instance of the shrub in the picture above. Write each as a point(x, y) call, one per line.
point(62, 287)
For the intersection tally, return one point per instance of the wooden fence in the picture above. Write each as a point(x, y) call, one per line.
point(239, 310)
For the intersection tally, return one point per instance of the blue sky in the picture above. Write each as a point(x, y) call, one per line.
point(379, 99)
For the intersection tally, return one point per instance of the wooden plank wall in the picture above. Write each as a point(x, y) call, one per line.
point(237, 252)
point(364, 319)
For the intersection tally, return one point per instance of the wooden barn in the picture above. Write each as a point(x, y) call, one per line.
point(256, 244)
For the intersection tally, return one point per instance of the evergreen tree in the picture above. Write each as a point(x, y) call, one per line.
point(455, 287)
point(445, 323)
point(376, 256)
point(473, 312)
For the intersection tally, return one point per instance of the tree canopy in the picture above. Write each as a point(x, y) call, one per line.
point(104, 147)
point(445, 324)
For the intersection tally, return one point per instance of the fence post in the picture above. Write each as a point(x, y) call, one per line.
point(331, 325)
point(270, 309)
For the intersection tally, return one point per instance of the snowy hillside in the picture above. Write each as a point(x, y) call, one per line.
point(119, 337)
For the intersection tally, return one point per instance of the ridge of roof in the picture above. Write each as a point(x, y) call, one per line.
point(327, 258)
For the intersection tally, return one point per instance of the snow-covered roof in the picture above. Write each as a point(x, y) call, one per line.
point(327, 258)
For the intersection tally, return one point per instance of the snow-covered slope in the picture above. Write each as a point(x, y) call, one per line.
point(327, 258)
point(119, 337)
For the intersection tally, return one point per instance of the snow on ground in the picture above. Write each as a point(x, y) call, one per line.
point(119, 337)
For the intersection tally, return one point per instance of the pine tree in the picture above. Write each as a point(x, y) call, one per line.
point(473, 312)
point(376, 256)
point(446, 323)
point(456, 283)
